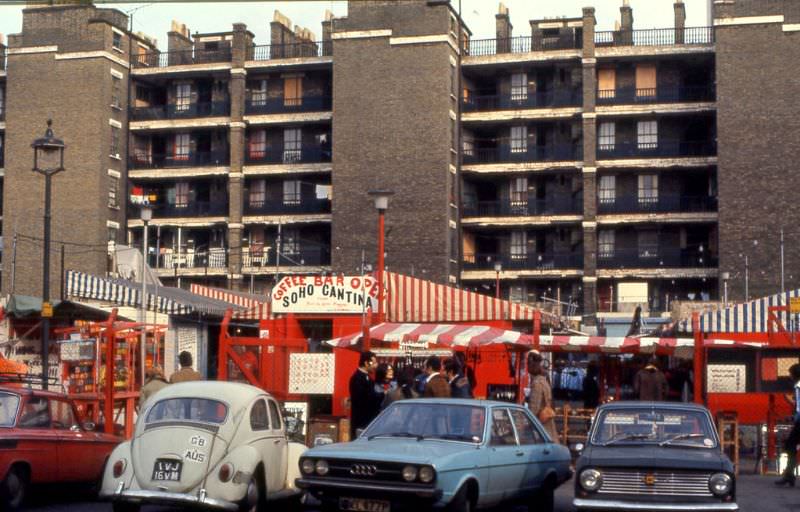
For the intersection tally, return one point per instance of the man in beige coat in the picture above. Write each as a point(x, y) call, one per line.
point(186, 373)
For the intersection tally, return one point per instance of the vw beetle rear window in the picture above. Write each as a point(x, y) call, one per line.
point(8, 409)
point(188, 409)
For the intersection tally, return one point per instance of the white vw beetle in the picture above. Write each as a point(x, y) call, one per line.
point(218, 445)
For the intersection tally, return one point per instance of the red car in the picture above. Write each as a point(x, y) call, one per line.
point(43, 442)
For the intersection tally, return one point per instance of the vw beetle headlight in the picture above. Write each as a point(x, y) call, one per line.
point(720, 484)
point(307, 466)
point(591, 479)
point(409, 473)
point(322, 467)
point(426, 474)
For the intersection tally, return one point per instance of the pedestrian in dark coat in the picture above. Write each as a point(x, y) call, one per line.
point(436, 386)
point(790, 445)
point(591, 388)
point(459, 384)
point(650, 384)
point(364, 401)
point(404, 389)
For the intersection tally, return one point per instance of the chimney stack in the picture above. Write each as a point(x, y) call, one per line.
point(626, 22)
point(680, 21)
point(504, 28)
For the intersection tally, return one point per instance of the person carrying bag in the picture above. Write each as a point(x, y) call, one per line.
point(540, 401)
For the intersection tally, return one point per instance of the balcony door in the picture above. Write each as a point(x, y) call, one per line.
point(518, 196)
point(292, 145)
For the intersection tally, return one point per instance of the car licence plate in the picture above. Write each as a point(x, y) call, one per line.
point(362, 505)
point(167, 470)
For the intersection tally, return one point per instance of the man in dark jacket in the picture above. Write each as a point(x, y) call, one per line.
point(436, 385)
point(365, 403)
point(459, 385)
point(650, 384)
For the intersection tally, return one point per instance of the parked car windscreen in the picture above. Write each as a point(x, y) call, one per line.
point(650, 425)
point(8, 409)
point(441, 421)
point(188, 409)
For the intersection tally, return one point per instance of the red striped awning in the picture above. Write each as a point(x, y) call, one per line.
point(615, 344)
point(255, 307)
point(443, 335)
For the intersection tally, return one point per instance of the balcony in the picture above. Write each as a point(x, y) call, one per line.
point(506, 153)
point(287, 105)
point(654, 258)
point(663, 148)
point(655, 37)
point(195, 159)
point(190, 209)
point(305, 154)
point(549, 99)
point(288, 207)
point(291, 51)
point(523, 208)
point(290, 257)
point(213, 259)
point(522, 44)
point(181, 58)
point(204, 109)
point(632, 95)
point(541, 261)
point(660, 204)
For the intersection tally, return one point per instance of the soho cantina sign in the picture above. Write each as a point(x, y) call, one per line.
point(325, 294)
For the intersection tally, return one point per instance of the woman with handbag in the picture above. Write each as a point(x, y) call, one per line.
point(540, 401)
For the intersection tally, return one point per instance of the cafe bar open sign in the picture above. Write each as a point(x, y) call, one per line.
point(325, 294)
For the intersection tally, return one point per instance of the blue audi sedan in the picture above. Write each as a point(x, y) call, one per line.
point(440, 453)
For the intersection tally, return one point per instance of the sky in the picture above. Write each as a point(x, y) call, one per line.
point(154, 17)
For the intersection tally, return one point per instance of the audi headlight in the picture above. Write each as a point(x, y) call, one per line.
point(322, 467)
point(720, 484)
point(409, 473)
point(307, 466)
point(591, 479)
point(426, 474)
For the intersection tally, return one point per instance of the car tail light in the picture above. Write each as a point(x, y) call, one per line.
point(225, 472)
point(119, 468)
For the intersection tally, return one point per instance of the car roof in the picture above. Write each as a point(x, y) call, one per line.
point(635, 404)
point(27, 391)
point(460, 401)
point(235, 394)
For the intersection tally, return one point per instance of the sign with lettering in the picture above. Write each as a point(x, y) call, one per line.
point(794, 305)
point(325, 294)
point(77, 350)
point(726, 378)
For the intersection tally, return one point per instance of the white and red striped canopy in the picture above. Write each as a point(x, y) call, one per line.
point(615, 344)
point(257, 307)
point(446, 335)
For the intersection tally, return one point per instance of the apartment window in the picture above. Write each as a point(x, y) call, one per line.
point(519, 87)
point(517, 294)
point(606, 140)
point(182, 143)
point(142, 150)
point(519, 245)
point(112, 233)
point(648, 244)
point(645, 81)
point(142, 95)
point(259, 93)
point(292, 145)
point(293, 91)
point(519, 194)
point(257, 147)
point(2, 101)
point(290, 242)
point(291, 192)
point(116, 41)
point(257, 193)
point(648, 189)
point(519, 139)
point(183, 97)
point(607, 190)
point(116, 87)
point(113, 192)
point(605, 244)
point(182, 194)
point(606, 83)
point(114, 141)
point(647, 134)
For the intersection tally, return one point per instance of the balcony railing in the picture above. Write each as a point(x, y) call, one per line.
point(305, 154)
point(291, 51)
point(655, 37)
point(181, 58)
point(195, 159)
point(524, 208)
point(559, 98)
point(654, 258)
point(190, 209)
point(508, 153)
point(523, 261)
point(658, 204)
point(287, 207)
point(522, 44)
point(204, 109)
point(283, 105)
point(632, 95)
point(662, 148)
point(291, 256)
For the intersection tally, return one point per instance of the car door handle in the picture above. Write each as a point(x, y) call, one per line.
point(277, 441)
point(546, 452)
point(520, 454)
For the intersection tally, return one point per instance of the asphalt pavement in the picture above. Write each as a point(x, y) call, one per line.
point(755, 494)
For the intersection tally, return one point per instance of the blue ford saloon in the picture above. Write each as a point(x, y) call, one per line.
point(440, 453)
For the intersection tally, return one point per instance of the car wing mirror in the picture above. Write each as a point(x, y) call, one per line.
point(577, 447)
point(89, 426)
point(359, 431)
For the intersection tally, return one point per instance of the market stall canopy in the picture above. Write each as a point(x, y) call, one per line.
point(252, 306)
point(443, 335)
point(748, 317)
point(22, 306)
point(617, 344)
point(164, 299)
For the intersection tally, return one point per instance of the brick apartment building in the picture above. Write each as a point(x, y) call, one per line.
point(604, 169)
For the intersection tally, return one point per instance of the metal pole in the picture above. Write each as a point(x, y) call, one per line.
point(381, 219)
point(14, 260)
point(725, 293)
point(46, 285)
point(783, 283)
point(143, 335)
point(278, 253)
point(497, 285)
point(746, 278)
point(62, 294)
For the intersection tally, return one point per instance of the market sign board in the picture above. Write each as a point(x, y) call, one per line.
point(82, 350)
point(325, 294)
point(726, 378)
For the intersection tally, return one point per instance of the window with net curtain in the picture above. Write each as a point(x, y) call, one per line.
point(519, 87)
point(607, 190)
point(606, 139)
point(605, 244)
point(648, 190)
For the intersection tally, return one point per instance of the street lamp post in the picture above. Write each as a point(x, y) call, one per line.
point(725, 276)
point(48, 160)
point(146, 215)
point(498, 267)
point(381, 198)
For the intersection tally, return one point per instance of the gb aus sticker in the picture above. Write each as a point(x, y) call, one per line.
point(198, 441)
point(194, 455)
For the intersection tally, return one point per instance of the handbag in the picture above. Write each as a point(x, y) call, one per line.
point(546, 414)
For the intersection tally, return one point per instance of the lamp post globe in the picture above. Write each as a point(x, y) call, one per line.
point(381, 198)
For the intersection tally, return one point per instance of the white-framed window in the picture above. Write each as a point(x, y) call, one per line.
point(113, 192)
point(258, 95)
point(116, 40)
point(648, 189)
point(519, 245)
point(607, 189)
point(648, 244)
point(116, 88)
point(142, 150)
point(290, 242)
point(257, 145)
point(182, 146)
point(182, 194)
point(291, 192)
point(647, 134)
point(518, 191)
point(519, 87)
point(114, 149)
point(257, 193)
point(292, 145)
point(606, 139)
point(519, 139)
point(605, 244)
point(183, 97)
